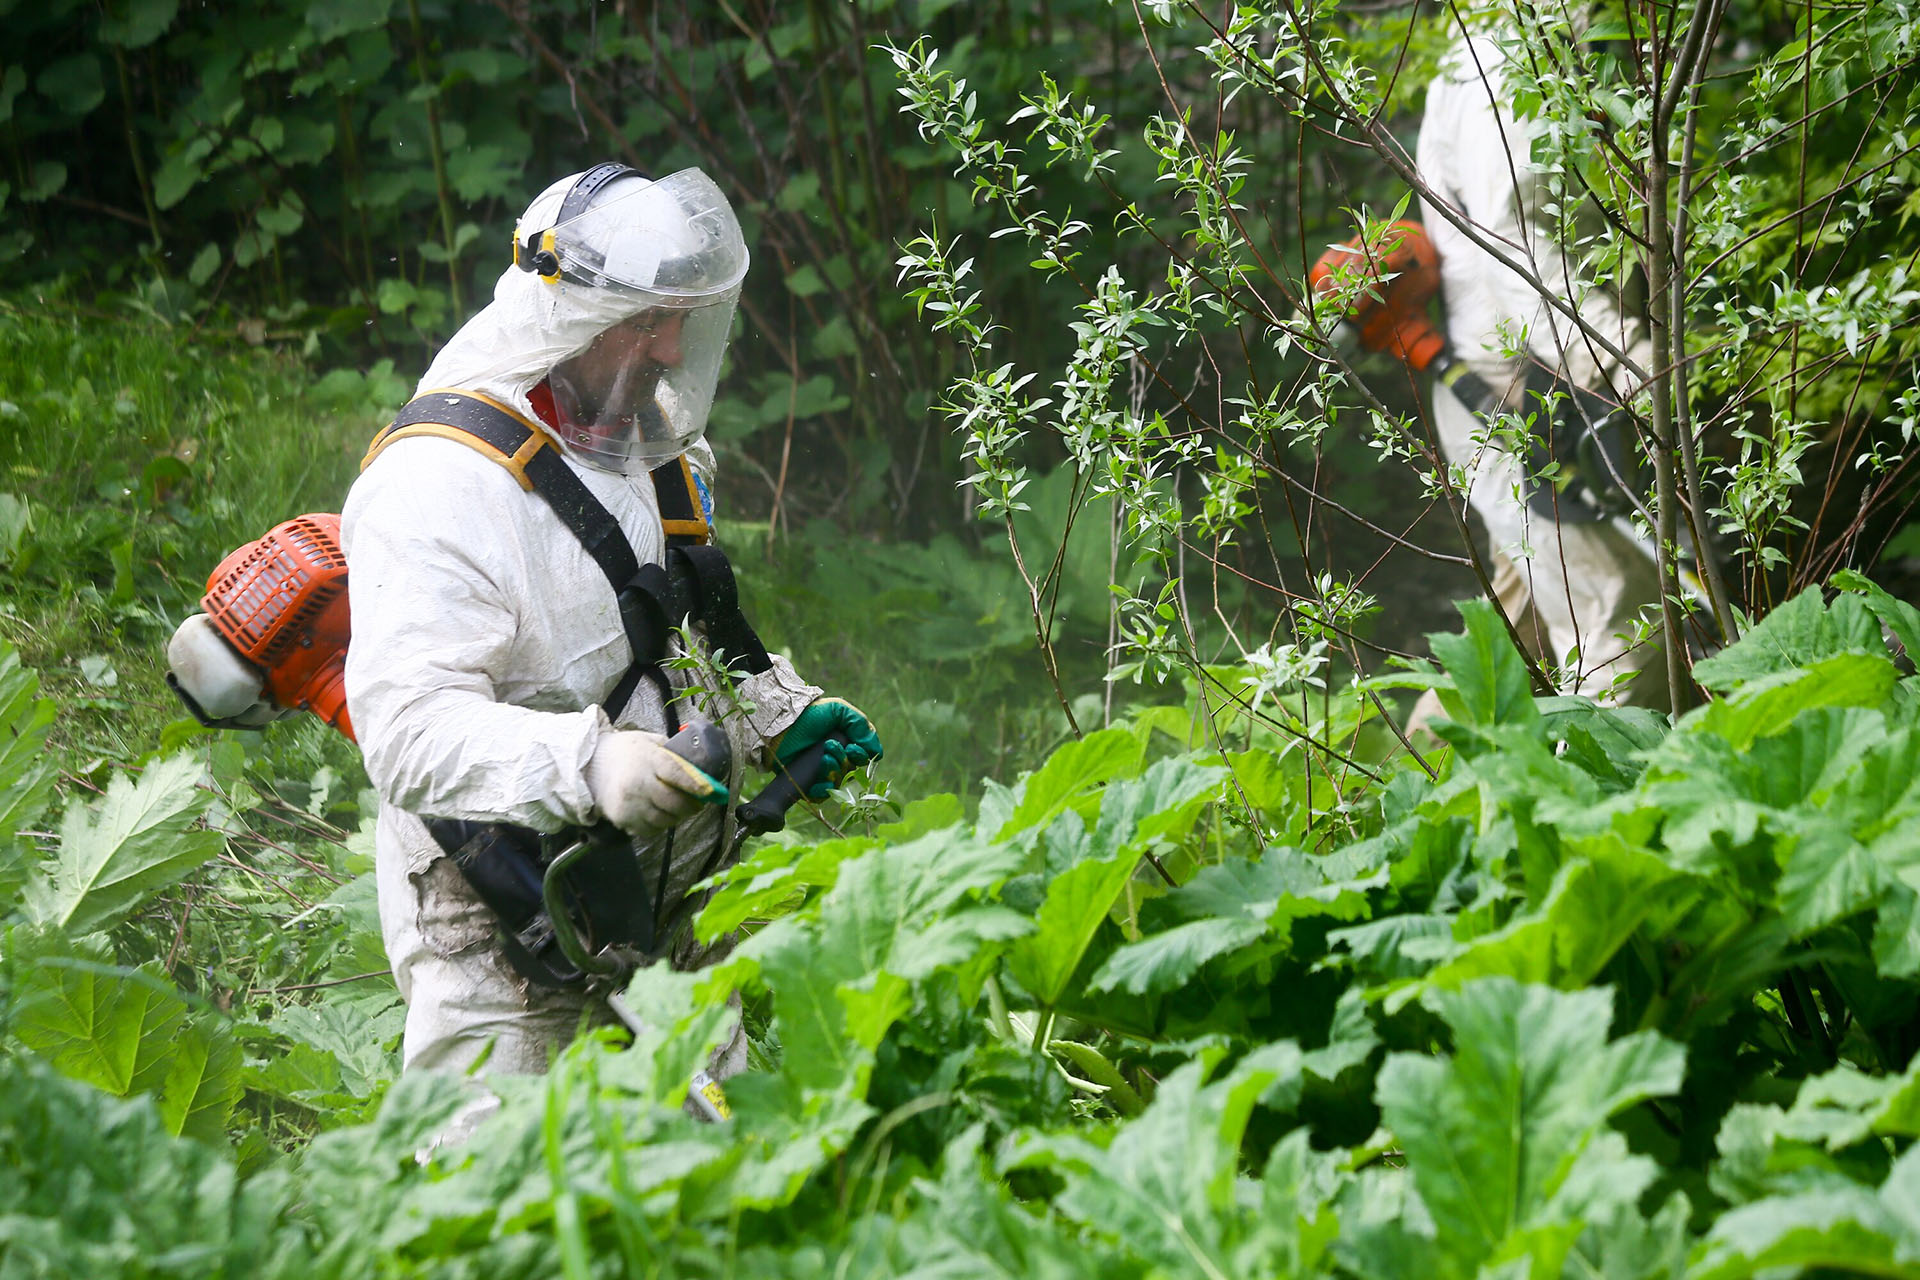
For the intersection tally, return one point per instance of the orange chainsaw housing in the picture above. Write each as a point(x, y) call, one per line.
point(281, 601)
point(1391, 317)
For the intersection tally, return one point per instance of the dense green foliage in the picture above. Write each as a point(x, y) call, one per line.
point(1601, 997)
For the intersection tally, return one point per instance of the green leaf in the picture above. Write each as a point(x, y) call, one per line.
point(805, 281)
point(1825, 876)
point(1489, 678)
point(45, 181)
point(1594, 906)
point(1077, 901)
point(1839, 1228)
point(139, 838)
point(1167, 1187)
point(282, 219)
point(13, 83)
point(202, 1082)
point(395, 295)
point(1074, 769)
point(179, 174)
point(1765, 705)
point(128, 1032)
point(1160, 804)
point(893, 915)
point(1799, 633)
point(1509, 1136)
point(26, 775)
point(802, 190)
point(1166, 961)
point(331, 19)
point(1896, 615)
point(1094, 1066)
point(205, 263)
point(906, 910)
point(1846, 1106)
point(483, 66)
point(775, 875)
point(111, 1028)
point(74, 84)
point(134, 24)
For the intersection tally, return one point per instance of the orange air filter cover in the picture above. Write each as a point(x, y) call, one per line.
point(282, 602)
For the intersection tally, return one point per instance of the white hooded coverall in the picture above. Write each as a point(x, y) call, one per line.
point(484, 638)
point(1585, 583)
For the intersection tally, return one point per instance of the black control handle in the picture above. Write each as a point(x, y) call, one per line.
point(768, 810)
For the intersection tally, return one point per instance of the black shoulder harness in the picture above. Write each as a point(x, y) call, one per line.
point(695, 581)
point(504, 864)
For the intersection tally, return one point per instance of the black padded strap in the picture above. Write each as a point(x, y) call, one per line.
point(598, 532)
point(696, 579)
point(590, 522)
point(719, 609)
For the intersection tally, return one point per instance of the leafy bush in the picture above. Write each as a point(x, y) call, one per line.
point(1596, 997)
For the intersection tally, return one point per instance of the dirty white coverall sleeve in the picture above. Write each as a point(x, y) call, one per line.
point(484, 637)
point(1588, 582)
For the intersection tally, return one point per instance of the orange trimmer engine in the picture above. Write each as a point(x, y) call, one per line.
point(1401, 273)
point(281, 602)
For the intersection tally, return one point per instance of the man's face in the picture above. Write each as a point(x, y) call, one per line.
point(617, 377)
point(650, 338)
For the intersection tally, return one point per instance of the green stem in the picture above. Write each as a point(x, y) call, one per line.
point(438, 153)
point(133, 146)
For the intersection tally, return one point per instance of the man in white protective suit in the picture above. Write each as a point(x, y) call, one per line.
point(488, 643)
point(1574, 578)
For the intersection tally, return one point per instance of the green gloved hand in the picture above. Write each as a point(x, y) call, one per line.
point(856, 743)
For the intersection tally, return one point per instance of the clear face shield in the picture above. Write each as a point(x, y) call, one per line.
point(664, 261)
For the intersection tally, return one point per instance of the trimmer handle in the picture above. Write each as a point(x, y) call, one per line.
point(768, 810)
point(703, 744)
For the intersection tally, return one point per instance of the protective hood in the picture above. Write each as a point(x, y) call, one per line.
point(669, 253)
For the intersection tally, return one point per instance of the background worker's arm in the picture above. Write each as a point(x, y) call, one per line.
point(1473, 151)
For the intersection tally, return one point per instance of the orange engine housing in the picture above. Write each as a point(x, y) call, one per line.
point(281, 602)
point(1392, 318)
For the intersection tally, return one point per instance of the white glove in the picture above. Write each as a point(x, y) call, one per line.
point(643, 788)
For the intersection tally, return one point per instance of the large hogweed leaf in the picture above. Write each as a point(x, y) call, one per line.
point(1595, 904)
point(1162, 803)
point(1167, 1188)
point(1486, 681)
point(1167, 960)
point(1507, 1140)
point(1838, 1226)
point(130, 1032)
point(26, 778)
point(1235, 904)
point(1077, 901)
point(839, 972)
point(1070, 773)
point(1897, 616)
point(92, 1185)
point(1800, 633)
point(775, 877)
point(140, 837)
point(1763, 707)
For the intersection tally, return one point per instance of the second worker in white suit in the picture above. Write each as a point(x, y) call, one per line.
point(1575, 579)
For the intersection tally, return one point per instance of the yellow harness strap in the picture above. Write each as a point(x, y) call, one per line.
point(505, 436)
